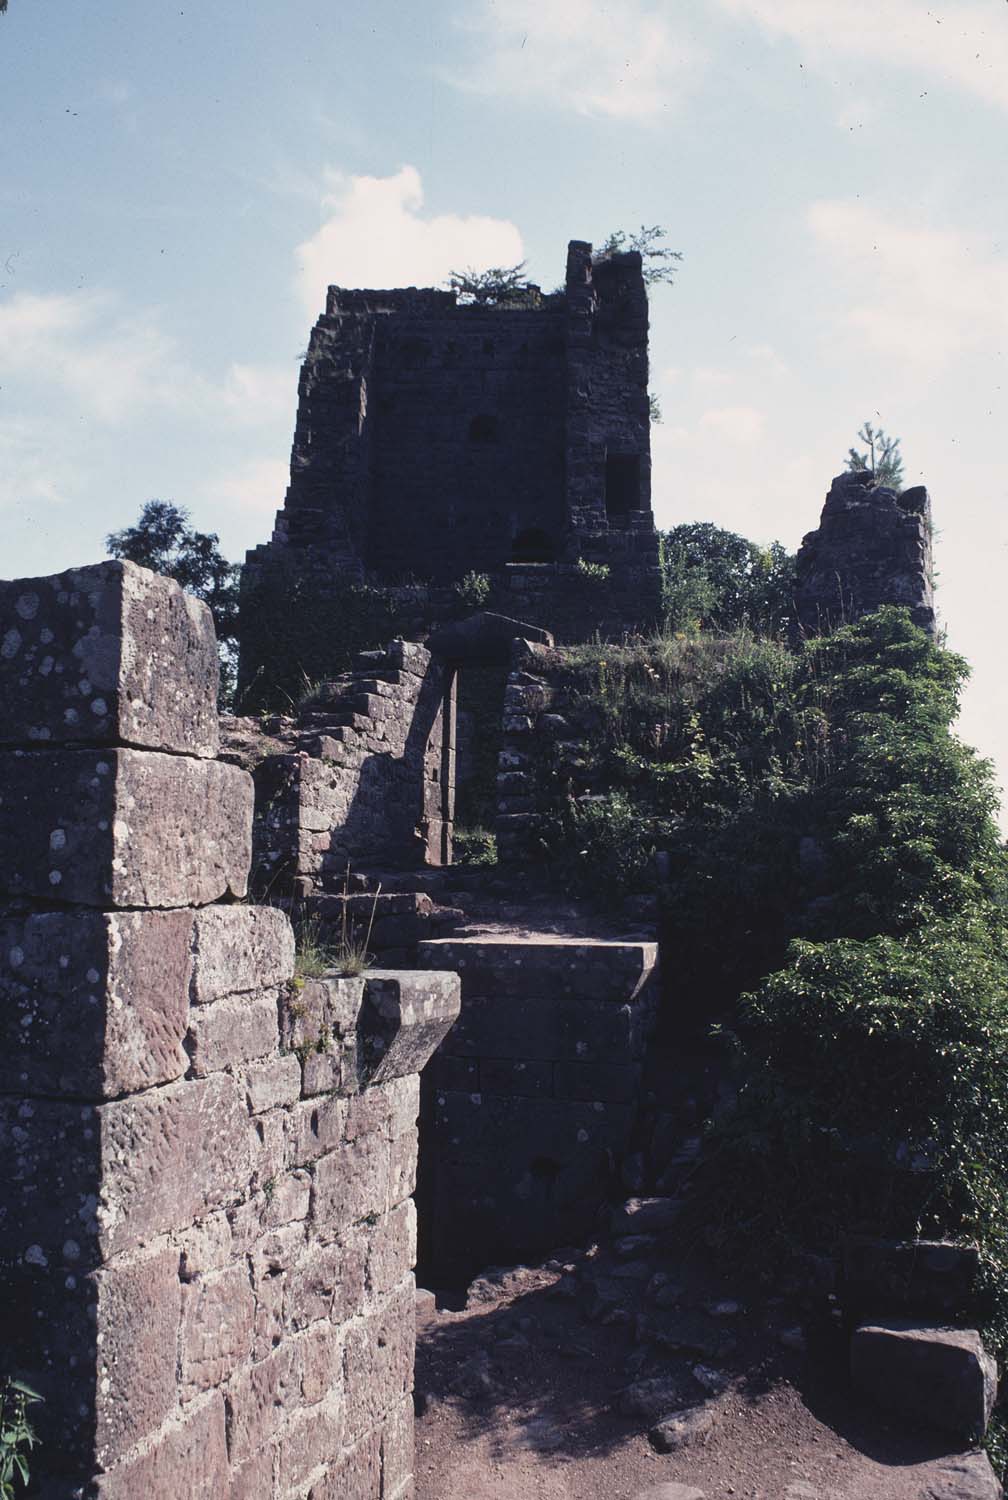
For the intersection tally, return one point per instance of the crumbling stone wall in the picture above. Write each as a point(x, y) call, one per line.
point(872, 547)
point(367, 777)
point(207, 1233)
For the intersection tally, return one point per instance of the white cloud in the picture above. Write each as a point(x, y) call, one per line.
point(911, 290)
point(108, 363)
point(735, 424)
point(621, 60)
point(962, 43)
point(375, 235)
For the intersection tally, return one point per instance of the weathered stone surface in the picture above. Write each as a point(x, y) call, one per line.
point(237, 949)
point(137, 1316)
point(171, 1155)
point(108, 654)
point(682, 1429)
point(932, 1276)
point(258, 1400)
point(966, 1476)
point(403, 1018)
point(93, 1004)
point(872, 547)
point(940, 1376)
point(310, 1440)
point(188, 1457)
point(356, 1476)
point(233, 1031)
point(397, 1448)
point(350, 1183)
point(392, 1246)
point(216, 1331)
point(123, 828)
point(272, 1083)
point(379, 1359)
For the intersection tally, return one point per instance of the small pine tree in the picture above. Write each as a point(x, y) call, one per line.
point(883, 458)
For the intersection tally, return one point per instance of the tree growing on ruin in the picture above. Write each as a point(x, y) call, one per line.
point(659, 262)
point(881, 458)
point(497, 286)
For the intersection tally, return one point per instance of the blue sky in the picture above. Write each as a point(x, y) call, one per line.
point(180, 182)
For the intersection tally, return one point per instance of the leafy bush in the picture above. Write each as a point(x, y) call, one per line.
point(472, 592)
point(719, 580)
point(474, 846)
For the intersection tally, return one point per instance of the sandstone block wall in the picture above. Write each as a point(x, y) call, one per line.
point(532, 1097)
point(206, 1233)
point(368, 778)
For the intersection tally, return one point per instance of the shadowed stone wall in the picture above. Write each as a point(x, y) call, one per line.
point(207, 1231)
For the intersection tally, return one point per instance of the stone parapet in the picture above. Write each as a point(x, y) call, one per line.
point(207, 1230)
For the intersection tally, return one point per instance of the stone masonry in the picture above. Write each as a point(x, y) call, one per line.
point(436, 437)
point(872, 547)
point(531, 1099)
point(207, 1230)
point(363, 774)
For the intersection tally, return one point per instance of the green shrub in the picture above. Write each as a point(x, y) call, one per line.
point(472, 592)
point(474, 846)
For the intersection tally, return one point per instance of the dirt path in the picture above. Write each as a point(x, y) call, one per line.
point(519, 1398)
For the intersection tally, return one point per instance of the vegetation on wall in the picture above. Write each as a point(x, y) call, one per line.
point(827, 851)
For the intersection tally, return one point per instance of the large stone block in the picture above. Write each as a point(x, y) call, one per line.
point(260, 1398)
point(940, 1377)
point(937, 1277)
point(237, 949)
point(123, 828)
point(351, 1183)
point(93, 1004)
point(239, 1029)
point(109, 654)
point(188, 1457)
point(216, 1331)
point(137, 1326)
point(379, 1360)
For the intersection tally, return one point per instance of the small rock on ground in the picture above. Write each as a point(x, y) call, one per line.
point(681, 1428)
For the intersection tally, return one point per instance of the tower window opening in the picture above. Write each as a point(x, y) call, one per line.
point(533, 546)
point(622, 485)
point(483, 428)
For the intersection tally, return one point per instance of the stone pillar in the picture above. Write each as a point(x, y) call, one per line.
point(206, 1233)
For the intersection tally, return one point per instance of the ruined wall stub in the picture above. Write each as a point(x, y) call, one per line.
point(872, 547)
point(206, 1230)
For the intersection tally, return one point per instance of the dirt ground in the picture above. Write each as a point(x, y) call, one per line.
point(544, 1386)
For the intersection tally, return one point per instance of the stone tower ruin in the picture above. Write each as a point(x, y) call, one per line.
point(436, 437)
